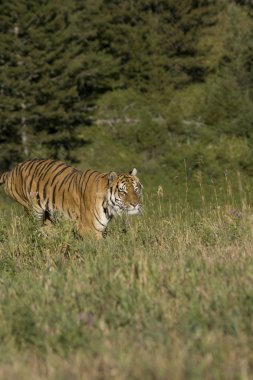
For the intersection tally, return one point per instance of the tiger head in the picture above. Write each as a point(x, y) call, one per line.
point(124, 193)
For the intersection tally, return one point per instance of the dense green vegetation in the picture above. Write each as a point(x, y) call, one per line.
point(168, 83)
point(171, 299)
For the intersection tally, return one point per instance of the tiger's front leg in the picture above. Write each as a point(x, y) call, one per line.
point(86, 231)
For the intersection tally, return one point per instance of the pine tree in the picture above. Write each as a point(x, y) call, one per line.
point(157, 42)
point(231, 75)
point(45, 95)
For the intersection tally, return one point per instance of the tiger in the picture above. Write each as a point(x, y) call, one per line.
point(90, 198)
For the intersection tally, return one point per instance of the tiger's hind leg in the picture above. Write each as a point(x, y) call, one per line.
point(39, 216)
point(43, 223)
point(42, 216)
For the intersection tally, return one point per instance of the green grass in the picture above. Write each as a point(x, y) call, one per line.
point(170, 299)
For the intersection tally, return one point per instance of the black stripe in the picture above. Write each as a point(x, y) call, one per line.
point(98, 220)
point(44, 191)
point(53, 197)
point(59, 172)
point(47, 169)
point(84, 177)
point(96, 175)
point(10, 185)
point(114, 204)
point(41, 177)
point(95, 227)
point(66, 179)
point(41, 173)
point(71, 181)
point(43, 166)
point(19, 169)
point(38, 199)
point(14, 181)
point(80, 178)
point(29, 186)
point(15, 170)
point(25, 171)
point(39, 215)
point(20, 176)
point(57, 166)
point(46, 205)
point(37, 188)
point(62, 202)
point(55, 186)
point(29, 164)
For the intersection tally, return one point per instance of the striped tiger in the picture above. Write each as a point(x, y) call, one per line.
point(89, 197)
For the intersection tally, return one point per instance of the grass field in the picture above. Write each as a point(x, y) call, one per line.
point(172, 298)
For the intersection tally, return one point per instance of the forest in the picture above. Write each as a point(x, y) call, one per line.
point(163, 85)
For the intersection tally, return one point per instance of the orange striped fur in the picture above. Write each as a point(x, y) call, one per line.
point(89, 197)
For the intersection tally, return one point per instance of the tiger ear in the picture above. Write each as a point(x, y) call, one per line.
point(112, 176)
point(133, 172)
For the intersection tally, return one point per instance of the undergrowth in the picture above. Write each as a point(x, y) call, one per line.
point(170, 298)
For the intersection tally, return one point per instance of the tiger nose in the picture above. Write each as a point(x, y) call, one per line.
point(134, 203)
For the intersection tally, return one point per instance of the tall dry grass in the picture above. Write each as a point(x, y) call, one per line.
point(170, 299)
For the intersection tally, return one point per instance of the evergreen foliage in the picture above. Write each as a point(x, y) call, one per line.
point(170, 80)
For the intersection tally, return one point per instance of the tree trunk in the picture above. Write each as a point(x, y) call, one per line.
point(24, 138)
